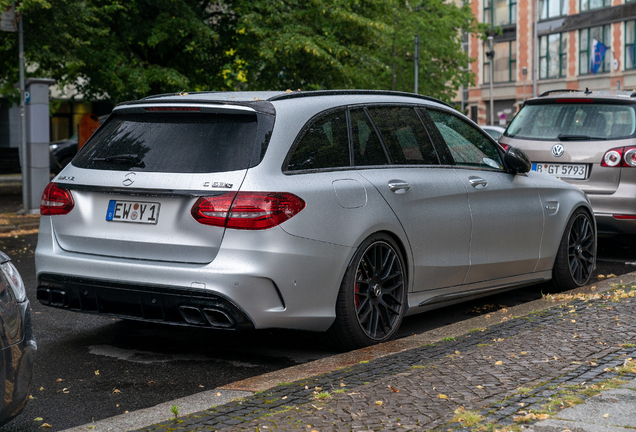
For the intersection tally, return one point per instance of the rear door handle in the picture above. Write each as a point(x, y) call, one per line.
point(478, 182)
point(398, 185)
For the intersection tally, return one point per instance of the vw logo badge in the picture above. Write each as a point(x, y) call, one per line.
point(130, 177)
point(557, 150)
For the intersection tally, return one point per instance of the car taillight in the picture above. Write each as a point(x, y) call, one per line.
point(247, 210)
point(505, 146)
point(56, 200)
point(620, 157)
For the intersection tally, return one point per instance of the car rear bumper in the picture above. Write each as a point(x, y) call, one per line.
point(250, 284)
point(607, 224)
point(613, 211)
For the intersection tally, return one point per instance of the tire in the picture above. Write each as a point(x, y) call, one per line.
point(577, 253)
point(372, 297)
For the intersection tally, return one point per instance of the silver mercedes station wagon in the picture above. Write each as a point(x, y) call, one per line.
point(332, 211)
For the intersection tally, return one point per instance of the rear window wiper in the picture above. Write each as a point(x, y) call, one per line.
point(122, 159)
point(565, 137)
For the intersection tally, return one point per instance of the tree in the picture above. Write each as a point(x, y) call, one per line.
point(127, 49)
point(443, 66)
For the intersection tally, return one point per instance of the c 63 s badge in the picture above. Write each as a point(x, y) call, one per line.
point(217, 185)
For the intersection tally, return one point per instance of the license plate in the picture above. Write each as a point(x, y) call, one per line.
point(573, 171)
point(132, 211)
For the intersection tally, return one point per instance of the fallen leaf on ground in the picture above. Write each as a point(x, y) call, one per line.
point(606, 415)
point(442, 396)
point(45, 425)
point(480, 387)
point(41, 388)
point(59, 380)
point(38, 419)
point(497, 363)
point(543, 416)
point(116, 391)
point(96, 372)
point(394, 389)
point(378, 403)
point(218, 394)
point(523, 353)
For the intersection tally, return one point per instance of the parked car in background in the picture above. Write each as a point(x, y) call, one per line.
point(588, 139)
point(62, 152)
point(333, 211)
point(17, 344)
point(494, 131)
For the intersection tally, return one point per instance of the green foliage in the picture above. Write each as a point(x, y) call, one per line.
point(126, 49)
point(174, 409)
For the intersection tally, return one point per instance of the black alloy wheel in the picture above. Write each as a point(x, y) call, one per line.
point(581, 249)
point(379, 291)
point(372, 297)
point(577, 252)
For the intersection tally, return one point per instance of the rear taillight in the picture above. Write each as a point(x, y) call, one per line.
point(247, 210)
point(505, 146)
point(56, 200)
point(624, 157)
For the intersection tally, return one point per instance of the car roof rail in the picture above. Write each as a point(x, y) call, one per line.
point(299, 94)
point(549, 92)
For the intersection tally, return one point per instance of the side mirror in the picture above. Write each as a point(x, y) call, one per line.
point(517, 161)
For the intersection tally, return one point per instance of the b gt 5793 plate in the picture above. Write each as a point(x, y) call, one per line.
point(574, 171)
point(132, 211)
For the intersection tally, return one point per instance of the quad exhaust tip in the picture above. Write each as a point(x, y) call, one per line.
point(51, 297)
point(208, 316)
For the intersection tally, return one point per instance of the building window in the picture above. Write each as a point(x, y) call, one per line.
point(553, 59)
point(500, 12)
point(594, 4)
point(586, 37)
point(629, 44)
point(552, 8)
point(505, 63)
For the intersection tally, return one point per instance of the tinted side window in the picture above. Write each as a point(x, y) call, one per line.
point(324, 144)
point(468, 146)
point(367, 149)
point(404, 136)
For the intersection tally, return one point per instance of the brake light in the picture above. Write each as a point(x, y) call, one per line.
point(505, 146)
point(56, 200)
point(629, 157)
point(172, 109)
point(571, 100)
point(247, 210)
point(624, 157)
point(612, 158)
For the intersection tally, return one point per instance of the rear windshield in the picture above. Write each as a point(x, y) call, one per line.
point(573, 121)
point(175, 142)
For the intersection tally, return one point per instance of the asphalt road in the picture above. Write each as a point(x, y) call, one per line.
point(89, 368)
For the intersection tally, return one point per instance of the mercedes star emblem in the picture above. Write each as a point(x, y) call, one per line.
point(130, 177)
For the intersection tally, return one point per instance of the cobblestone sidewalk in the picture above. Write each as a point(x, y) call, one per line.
point(507, 375)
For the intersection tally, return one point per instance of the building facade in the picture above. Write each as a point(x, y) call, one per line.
point(566, 31)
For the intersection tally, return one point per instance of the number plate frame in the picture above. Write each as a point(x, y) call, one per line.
point(125, 211)
point(569, 171)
